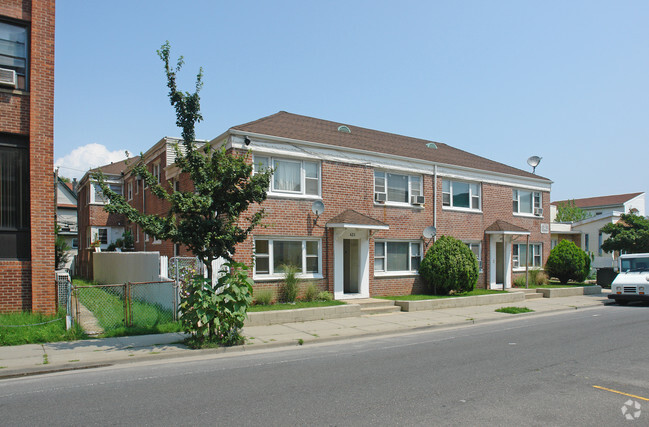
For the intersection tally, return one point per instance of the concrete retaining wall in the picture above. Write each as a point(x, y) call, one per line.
point(263, 318)
point(569, 292)
point(435, 304)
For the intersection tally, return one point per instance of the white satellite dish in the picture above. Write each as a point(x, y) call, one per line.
point(430, 232)
point(317, 208)
point(534, 162)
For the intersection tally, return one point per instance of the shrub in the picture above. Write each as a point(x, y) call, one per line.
point(289, 288)
point(541, 278)
point(311, 292)
point(325, 296)
point(568, 262)
point(519, 281)
point(449, 265)
point(263, 296)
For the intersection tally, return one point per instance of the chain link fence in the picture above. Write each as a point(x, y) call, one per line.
point(101, 309)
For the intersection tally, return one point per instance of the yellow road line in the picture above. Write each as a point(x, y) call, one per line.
point(619, 392)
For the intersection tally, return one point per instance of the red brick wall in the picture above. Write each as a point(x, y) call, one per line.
point(31, 285)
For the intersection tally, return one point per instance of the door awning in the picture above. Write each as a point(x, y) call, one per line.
point(503, 227)
point(352, 219)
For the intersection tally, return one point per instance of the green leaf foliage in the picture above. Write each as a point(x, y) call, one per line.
point(569, 212)
point(215, 314)
point(630, 235)
point(568, 262)
point(449, 265)
point(208, 219)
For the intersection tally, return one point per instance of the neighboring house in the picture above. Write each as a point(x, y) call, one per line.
point(66, 218)
point(380, 191)
point(26, 156)
point(623, 203)
point(98, 228)
point(602, 210)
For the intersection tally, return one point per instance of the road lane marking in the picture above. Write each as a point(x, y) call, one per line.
point(619, 392)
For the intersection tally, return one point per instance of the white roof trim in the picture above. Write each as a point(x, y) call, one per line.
point(360, 226)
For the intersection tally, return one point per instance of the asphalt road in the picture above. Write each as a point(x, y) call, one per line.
point(535, 370)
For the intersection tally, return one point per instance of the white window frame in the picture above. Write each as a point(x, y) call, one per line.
point(472, 196)
point(272, 275)
point(536, 251)
point(385, 271)
point(96, 195)
point(537, 202)
point(156, 172)
point(413, 180)
point(272, 191)
point(472, 243)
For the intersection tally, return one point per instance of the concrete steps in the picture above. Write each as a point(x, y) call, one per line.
point(375, 306)
point(533, 295)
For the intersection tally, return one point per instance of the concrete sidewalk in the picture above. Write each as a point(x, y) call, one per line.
point(52, 357)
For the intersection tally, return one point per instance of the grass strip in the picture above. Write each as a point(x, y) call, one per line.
point(419, 297)
point(302, 304)
point(514, 310)
point(16, 329)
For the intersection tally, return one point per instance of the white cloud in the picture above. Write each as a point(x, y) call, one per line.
point(88, 156)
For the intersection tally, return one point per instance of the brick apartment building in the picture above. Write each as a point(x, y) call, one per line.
point(26, 150)
point(379, 191)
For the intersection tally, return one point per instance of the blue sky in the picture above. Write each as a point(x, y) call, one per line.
point(567, 81)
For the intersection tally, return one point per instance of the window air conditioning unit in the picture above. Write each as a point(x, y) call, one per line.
point(380, 197)
point(417, 200)
point(8, 77)
point(538, 211)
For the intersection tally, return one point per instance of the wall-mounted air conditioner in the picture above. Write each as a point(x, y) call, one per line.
point(380, 197)
point(8, 77)
point(538, 211)
point(417, 200)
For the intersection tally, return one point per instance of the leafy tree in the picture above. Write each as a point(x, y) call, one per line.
point(568, 262)
point(449, 265)
point(569, 212)
point(209, 220)
point(630, 234)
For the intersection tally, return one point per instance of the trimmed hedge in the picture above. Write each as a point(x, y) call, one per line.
point(568, 262)
point(449, 266)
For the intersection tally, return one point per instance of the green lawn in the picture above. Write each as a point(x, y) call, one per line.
point(15, 332)
point(107, 305)
point(313, 304)
point(419, 297)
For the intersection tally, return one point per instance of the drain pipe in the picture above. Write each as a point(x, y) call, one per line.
point(435, 201)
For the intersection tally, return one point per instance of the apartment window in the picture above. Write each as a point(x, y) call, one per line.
point(14, 197)
point(13, 51)
point(586, 242)
point(98, 195)
point(397, 256)
point(527, 202)
point(129, 190)
point(137, 186)
point(600, 240)
point(299, 177)
point(137, 234)
point(460, 194)
point(519, 255)
point(102, 236)
point(476, 248)
point(396, 188)
point(75, 242)
point(156, 172)
point(273, 255)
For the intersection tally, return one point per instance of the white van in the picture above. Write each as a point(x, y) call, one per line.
point(632, 281)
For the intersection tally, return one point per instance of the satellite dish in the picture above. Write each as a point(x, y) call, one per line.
point(534, 162)
point(317, 207)
point(429, 232)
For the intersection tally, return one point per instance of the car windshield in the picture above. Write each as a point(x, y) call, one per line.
point(635, 264)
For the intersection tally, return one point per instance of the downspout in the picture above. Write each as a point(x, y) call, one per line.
point(143, 212)
point(435, 201)
point(527, 262)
